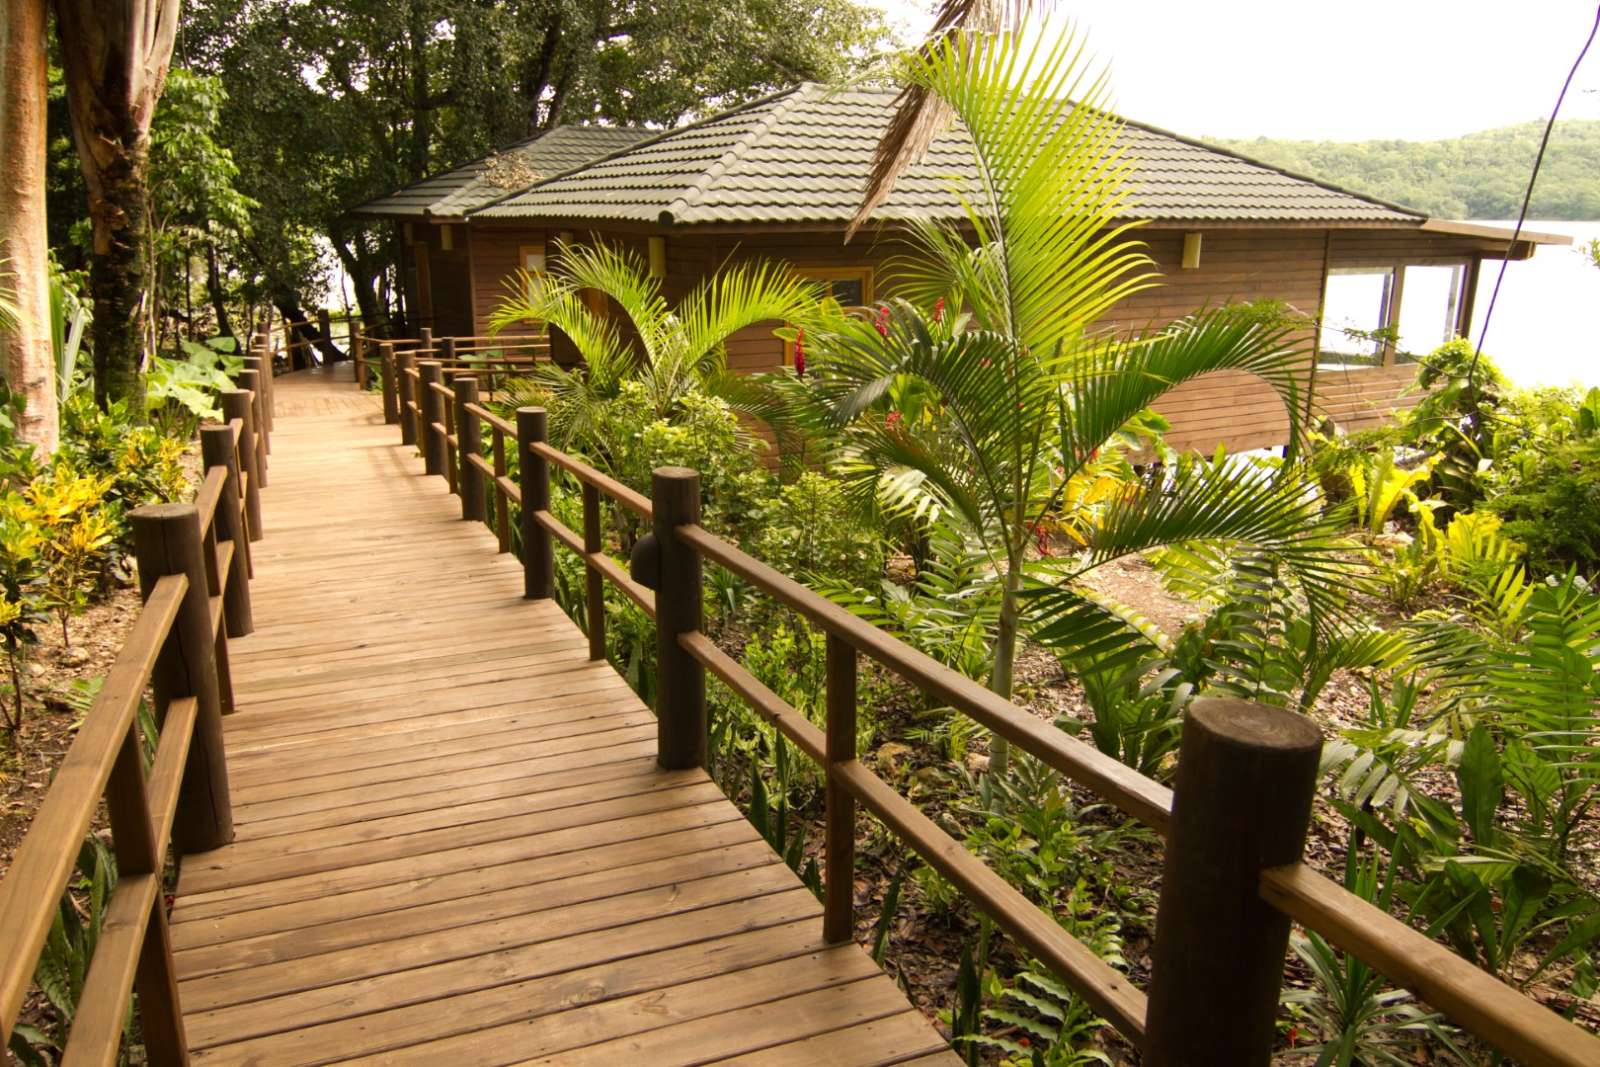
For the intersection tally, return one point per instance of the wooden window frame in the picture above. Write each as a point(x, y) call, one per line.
point(1394, 294)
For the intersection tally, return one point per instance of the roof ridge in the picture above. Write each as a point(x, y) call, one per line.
point(699, 187)
point(643, 142)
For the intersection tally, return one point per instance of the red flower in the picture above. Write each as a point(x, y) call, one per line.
point(883, 320)
point(1041, 538)
point(892, 420)
point(984, 362)
point(800, 353)
point(938, 310)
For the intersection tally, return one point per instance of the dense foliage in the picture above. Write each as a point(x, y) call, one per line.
point(1478, 176)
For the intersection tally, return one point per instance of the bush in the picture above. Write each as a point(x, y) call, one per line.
point(1555, 510)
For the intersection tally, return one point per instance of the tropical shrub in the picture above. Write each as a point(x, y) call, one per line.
point(1555, 509)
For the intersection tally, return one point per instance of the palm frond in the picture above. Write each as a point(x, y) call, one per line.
point(1222, 504)
point(1113, 383)
point(622, 277)
point(919, 113)
point(1051, 183)
point(739, 297)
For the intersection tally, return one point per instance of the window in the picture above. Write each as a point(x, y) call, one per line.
point(1355, 305)
point(1384, 314)
point(850, 286)
point(1430, 308)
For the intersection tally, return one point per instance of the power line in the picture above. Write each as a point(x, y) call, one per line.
point(1527, 197)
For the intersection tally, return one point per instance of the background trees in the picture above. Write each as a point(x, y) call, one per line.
point(327, 108)
point(1477, 176)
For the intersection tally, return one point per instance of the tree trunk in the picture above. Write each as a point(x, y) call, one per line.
point(359, 264)
point(118, 276)
point(114, 59)
point(288, 305)
point(27, 356)
point(1005, 656)
point(219, 303)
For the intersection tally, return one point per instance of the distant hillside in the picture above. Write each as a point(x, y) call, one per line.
point(1478, 176)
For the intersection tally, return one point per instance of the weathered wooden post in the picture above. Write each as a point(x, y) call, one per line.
point(217, 450)
point(538, 557)
point(1246, 778)
point(447, 351)
point(250, 381)
point(680, 679)
point(391, 395)
point(431, 406)
point(425, 344)
point(238, 404)
point(838, 910)
point(166, 540)
point(594, 581)
point(469, 446)
point(405, 397)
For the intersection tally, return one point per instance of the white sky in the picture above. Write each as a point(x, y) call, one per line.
point(1340, 70)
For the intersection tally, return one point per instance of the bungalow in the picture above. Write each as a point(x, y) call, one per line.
point(780, 178)
point(436, 263)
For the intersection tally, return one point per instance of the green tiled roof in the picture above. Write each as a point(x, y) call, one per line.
point(455, 192)
point(802, 156)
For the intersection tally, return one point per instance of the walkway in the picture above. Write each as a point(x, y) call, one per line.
point(454, 845)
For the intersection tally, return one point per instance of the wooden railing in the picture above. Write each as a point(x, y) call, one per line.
point(492, 358)
point(1235, 826)
point(194, 575)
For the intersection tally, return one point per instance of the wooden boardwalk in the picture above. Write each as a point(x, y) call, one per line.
point(454, 845)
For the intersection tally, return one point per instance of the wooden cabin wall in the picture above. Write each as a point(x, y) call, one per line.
point(1232, 409)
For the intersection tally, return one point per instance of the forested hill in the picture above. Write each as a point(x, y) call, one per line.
point(1478, 176)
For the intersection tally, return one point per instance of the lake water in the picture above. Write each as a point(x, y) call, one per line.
point(1546, 324)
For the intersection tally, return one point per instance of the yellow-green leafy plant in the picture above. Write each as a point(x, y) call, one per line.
point(19, 605)
point(1380, 484)
point(74, 530)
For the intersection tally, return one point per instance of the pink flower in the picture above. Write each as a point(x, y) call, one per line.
point(938, 310)
point(893, 420)
point(883, 320)
point(800, 353)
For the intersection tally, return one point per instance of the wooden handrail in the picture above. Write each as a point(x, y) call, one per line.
point(1478, 1002)
point(193, 572)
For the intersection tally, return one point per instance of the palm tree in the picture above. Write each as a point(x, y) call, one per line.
point(671, 350)
point(984, 397)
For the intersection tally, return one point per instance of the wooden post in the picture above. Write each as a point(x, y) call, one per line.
point(250, 381)
point(502, 506)
point(404, 396)
point(838, 913)
point(263, 362)
point(391, 395)
point(217, 450)
point(237, 404)
point(425, 344)
point(133, 838)
point(594, 581)
point(166, 540)
point(538, 558)
point(358, 352)
point(1247, 774)
point(680, 679)
point(431, 406)
point(447, 351)
point(469, 444)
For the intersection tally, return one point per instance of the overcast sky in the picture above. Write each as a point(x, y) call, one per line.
point(1340, 70)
